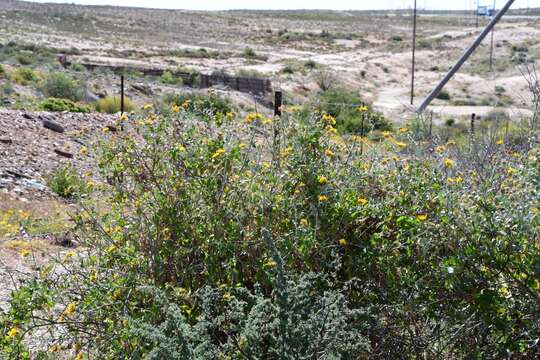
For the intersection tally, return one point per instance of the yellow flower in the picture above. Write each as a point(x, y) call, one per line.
point(456, 180)
point(23, 215)
point(175, 109)
point(329, 119)
point(55, 348)
point(105, 130)
point(266, 165)
point(83, 150)
point(79, 356)
point(440, 149)
point(362, 109)
point(186, 103)
point(218, 153)
point(448, 163)
point(401, 144)
point(230, 115)
point(323, 198)
point(500, 142)
point(69, 254)
point(25, 252)
point(362, 201)
point(329, 152)
point(70, 309)
point(330, 129)
point(123, 117)
point(511, 171)
point(286, 152)
point(12, 333)
point(451, 143)
point(322, 179)
point(251, 117)
point(148, 106)
point(421, 217)
point(270, 264)
point(342, 242)
point(403, 130)
point(304, 222)
point(386, 134)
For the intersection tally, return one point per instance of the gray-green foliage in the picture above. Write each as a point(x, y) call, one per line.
point(298, 321)
point(62, 86)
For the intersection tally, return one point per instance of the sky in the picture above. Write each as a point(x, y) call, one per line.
point(298, 4)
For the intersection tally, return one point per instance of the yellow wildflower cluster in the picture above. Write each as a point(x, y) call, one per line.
point(304, 222)
point(218, 153)
point(449, 163)
point(323, 198)
point(362, 109)
point(342, 242)
point(70, 309)
point(328, 119)
point(362, 201)
point(456, 180)
point(322, 179)
point(252, 117)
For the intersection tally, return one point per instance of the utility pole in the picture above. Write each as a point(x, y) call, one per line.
point(477, 5)
point(492, 40)
point(413, 53)
point(465, 56)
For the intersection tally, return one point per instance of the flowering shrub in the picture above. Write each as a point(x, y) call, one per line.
point(276, 238)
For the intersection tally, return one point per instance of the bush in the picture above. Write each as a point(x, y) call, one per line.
point(57, 105)
point(214, 232)
point(2, 71)
point(62, 86)
point(24, 76)
point(111, 105)
point(77, 67)
point(249, 53)
point(443, 95)
point(168, 78)
point(311, 64)
point(206, 105)
point(66, 183)
point(25, 59)
point(338, 102)
point(288, 69)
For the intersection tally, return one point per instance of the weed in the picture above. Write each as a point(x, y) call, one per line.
point(111, 105)
point(57, 105)
point(66, 183)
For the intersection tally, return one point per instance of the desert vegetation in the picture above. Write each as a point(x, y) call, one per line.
point(198, 224)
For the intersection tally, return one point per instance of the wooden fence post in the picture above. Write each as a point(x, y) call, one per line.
point(278, 102)
point(121, 94)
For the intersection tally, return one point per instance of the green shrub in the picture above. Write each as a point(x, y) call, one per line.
point(311, 64)
point(170, 79)
point(339, 103)
point(206, 105)
point(57, 105)
point(284, 241)
point(77, 67)
point(66, 183)
point(443, 95)
point(2, 71)
point(25, 59)
point(288, 69)
point(24, 76)
point(249, 53)
point(111, 105)
point(62, 86)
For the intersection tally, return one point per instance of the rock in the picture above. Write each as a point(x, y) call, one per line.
point(6, 141)
point(17, 174)
point(63, 153)
point(90, 96)
point(143, 89)
point(47, 124)
point(27, 116)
